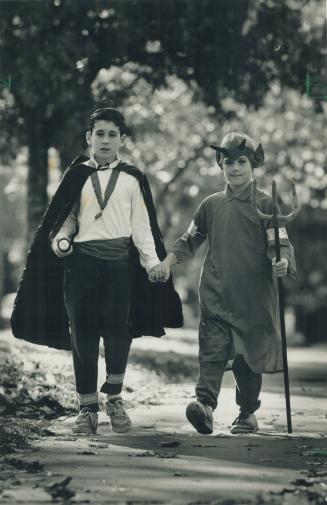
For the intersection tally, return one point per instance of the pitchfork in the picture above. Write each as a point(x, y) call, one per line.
point(276, 218)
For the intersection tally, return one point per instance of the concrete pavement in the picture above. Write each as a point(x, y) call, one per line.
point(163, 460)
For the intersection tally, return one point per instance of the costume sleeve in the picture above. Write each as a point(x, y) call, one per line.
point(69, 227)
point(286, 248)
point(186, 246)
point(141, 231)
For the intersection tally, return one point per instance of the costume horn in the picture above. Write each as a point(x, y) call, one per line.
point(259, 156)
point(219, 152)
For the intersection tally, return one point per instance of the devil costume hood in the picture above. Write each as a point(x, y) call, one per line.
point(236, 144)
point(39, 314)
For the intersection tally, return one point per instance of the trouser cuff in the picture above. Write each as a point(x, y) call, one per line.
point(207, 401)
point(113, 384)
point(88, 400)
point(247, 408)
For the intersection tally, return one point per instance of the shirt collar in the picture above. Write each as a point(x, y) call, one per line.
point(92, 162)
point(244, 195)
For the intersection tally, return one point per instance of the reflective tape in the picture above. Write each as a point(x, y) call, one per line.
point(282, 233)
point(192, 229)
point(115, 378)
point(87, 399)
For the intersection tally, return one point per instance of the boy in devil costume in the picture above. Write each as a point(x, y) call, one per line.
point(87, 271)
point(238, 295)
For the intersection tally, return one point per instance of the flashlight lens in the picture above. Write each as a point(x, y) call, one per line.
point(64, 245)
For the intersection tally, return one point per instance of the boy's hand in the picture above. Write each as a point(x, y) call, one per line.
point(160, 273)
point(56, 248)
point(280, 268)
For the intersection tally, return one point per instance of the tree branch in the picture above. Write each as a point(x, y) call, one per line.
point(178, 174)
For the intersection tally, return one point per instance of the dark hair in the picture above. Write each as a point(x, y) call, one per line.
point(108, 114)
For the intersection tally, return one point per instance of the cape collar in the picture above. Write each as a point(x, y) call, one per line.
point(243, 195)
point(92, 162)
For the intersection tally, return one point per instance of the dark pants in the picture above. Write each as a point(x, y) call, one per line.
point(215, 349)
point(97, 300)
point(248, 384)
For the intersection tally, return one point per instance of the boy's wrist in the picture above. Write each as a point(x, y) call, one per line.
point(151, 264)
point(170, 259)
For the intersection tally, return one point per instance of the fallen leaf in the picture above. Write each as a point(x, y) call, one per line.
point(302, 482)
point(66, 438)
point(99, 445)
point(30, 466)
point(172, 443)
point(166, 455)
point(204, 445)
point(88, 453)
point(60, 490)
point(143, 454)
point(285, 490)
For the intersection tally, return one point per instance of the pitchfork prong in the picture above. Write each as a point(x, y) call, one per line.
point(280, 217)
point(295, 210)
point(261, 214)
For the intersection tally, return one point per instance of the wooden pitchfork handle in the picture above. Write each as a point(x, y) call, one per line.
point(275, 217)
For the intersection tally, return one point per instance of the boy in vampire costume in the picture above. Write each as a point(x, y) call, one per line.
point(238, 293)
point(87, 271)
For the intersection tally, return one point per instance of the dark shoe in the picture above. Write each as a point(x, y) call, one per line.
point(86, 422)
point(245, 423)
point(120, 421)
point(200, 416)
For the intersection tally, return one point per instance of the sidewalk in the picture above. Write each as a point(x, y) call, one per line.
point(163, 460)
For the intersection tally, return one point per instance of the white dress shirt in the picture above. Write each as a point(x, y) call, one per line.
point(125, 215)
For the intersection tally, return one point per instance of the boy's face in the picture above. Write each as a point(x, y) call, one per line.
point(105, 141)
point(237, 171)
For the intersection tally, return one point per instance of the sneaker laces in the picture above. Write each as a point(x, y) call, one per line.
point(118, 408)
point(84, 414)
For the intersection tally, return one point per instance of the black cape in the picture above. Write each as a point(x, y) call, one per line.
point(39, 314)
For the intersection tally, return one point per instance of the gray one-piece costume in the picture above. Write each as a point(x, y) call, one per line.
point(237, 289)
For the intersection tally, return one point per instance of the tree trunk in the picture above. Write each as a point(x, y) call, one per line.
point(37, 180)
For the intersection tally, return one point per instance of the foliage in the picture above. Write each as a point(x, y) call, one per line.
point(53, 50)
point(199, 69)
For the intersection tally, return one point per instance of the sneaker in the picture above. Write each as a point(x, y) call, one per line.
point(245, 423)
point(86, 422)
point(200, 416)
point(120, 421)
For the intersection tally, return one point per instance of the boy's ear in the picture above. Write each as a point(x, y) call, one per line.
point(259, 156)
point(88, 137)
point(122, 139)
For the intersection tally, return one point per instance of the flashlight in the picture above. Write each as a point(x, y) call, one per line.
point(64, 245)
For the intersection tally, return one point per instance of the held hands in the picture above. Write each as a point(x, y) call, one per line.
point(161, 272)
point(280, 268)
point(58, 248)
